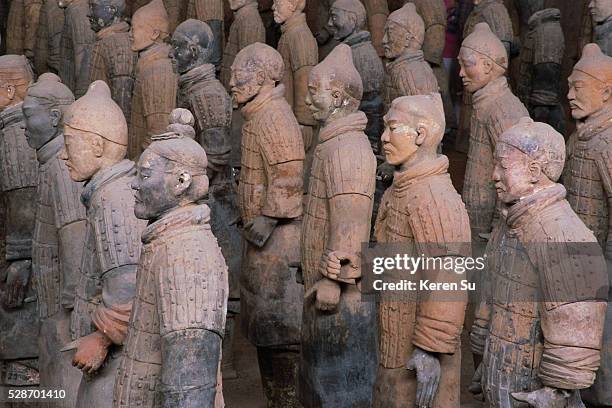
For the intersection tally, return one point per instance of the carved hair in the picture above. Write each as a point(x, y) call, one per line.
point(51, 93)
point(196, 32)
point(595, 64)
point(540, 142)
point(261, 57)
point(422, 107)
point(16, 71)
point(356, 9)
point(154, 15)
point(486, 44)
point(409, 19)
point(339, 68)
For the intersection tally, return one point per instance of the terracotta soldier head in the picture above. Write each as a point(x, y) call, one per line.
point(104, 13)
point(95, 132)
point(601, 10)
point(414, 127)
point(528, 157)
point(256, 66)
point(237, 4)
point(43, 109)
point(15, 76)
point(150, 25)
point(404, 29)
point(334, 86)
point(345, 18)
point(482, 58)
point(192, 44)
point(171, 171)
point(590, 84)
point(285, 9)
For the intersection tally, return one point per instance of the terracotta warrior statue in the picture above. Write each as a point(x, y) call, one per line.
point(484, 61)
point(588, 177)
point(48, 37)
point(112, 58)
point(419, 343)
point(298, 48)
point(347, 23)
point(247, 28)
point(407, 71)
point(601, 12)
point(210, 12)
point(76, 43)
point(270, 195)
point(58, 234)
point(156, 85)
point(539, 81)
point(544, 300)
point(180, 306)
point(95, 133)
point(19, 324)
point(201, 93)
point(377, 11)
point(337, 218)
point(21, 26)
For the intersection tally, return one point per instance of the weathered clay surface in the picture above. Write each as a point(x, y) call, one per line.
point(48, 37)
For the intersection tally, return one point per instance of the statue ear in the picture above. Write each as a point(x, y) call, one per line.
point(535, 169)
point(11, 90)
point(97, 146)
point(337, 95)
point(607, 93)
point(422, 134)
point(55, 115)
point(184, 182)
point(113, 10)
point(156, 34)
point(193, 49)
point(261, 77)
point(487, 65)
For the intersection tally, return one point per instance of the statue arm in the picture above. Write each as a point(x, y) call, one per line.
point(83, 40)
point(97, 66)
point(284, 190)
point(31, 19)
point(71, 239)
point(604, 164)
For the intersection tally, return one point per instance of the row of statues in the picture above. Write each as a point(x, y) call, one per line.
point(139, 268)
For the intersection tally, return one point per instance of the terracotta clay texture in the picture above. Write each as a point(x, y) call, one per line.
point(351, 31)
point(541, 57)
point(423, 211)
point(106, 285)
point(298, 48)
point(407, 71)
point(536, 288)
point(58, 236)
point(270, 194)
point(22, 23)
point(211, 12)
point(247, 28)
point(19, 171)
point(114, 62)
point(377, 11)
point(180, 306)
point(601, 12)
point(48, 38)
point(495, 110)
point(75, 46)
point(156, 86)
point(588, 176)
point(336, 221)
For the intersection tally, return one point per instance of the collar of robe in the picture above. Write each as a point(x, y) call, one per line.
point(124, 168)
point(527, 208)
point(183, 217)
point(257, 103)
point(402, 180)
point(594, 124)
point(50, 149)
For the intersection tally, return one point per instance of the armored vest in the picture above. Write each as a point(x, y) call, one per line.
point(48, 37)
point(433, 14)
point(407, 75)
point(59, 206)
point(174, 294)
point(155, 92)
point(75, 50)
point(496, 109)
point(247, 28)
point(495, 14)
point(114, 62)
point(602, 35)
point(112, 248)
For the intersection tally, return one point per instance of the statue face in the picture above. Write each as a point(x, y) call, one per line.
point(142, 34)
point(7, 94)
point(512, 175)
point(399, 138)
point(283, 9)
point(154, 186)
point(341, 23)
point(394, 40)
point(586, 95)
point(600, 10)
point(474, 70)
point(322, 98)
point(237, 4)
point(83, 152)
point(101, 14)
point(40, 121)
point(183, 54)
point(244, 83)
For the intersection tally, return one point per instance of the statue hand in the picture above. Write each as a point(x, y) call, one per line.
point(259, 230)
point(332, 263)
point(327, 294)
point(17, 278)
point(548, 397)
point(476, 386)
point(427, 367)
point(91, 352)
point(384, 173)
